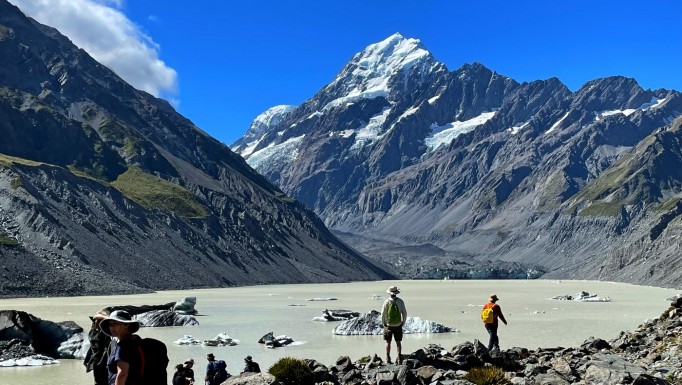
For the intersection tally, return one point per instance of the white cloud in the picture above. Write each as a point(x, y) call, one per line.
point(101, 29)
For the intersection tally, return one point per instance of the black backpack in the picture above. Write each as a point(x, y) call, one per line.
point(219, 372)
point(154, 357)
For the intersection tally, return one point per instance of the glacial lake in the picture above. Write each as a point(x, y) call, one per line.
point(247, 313)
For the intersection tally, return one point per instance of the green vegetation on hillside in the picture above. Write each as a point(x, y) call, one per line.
point(16, 183)
point(283, 197)
point(8, 241)
point(669, 204)
point(8, 160)
point(152, 192)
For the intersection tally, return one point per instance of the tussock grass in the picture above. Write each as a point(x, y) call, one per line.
point(490, 375)
point(292, 371)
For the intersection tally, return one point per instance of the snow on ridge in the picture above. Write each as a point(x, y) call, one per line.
point(281, 153)
point(557, 123)
point(516, 129)
point(433, 99)
point(248, 150)
point(654, 103)
point(446, 133)
point(370, 131)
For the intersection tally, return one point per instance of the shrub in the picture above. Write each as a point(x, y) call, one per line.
point(292, 371)
point(490, 375)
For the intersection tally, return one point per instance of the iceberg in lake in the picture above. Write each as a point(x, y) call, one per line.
point(34, 360)
point(370, 324)
point(187, 340)
point(221, 339)
point(583, 296)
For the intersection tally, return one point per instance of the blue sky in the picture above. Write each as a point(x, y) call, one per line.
point(223, 62)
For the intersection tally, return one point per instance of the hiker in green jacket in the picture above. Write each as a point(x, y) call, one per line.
point(393, 317)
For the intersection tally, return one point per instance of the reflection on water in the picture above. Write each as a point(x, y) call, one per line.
point(247, 313)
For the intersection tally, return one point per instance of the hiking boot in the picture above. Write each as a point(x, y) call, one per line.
point(388, 360)
point(399, 360)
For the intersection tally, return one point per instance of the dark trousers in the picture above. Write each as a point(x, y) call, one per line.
point(494, 341)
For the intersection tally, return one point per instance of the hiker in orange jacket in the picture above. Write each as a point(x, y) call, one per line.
point(494, 341)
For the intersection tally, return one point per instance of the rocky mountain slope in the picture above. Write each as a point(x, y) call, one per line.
point(106, 189)
point(466, 166)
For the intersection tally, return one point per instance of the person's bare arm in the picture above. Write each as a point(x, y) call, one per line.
point(122, 373)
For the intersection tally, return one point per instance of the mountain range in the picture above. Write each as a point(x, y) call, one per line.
point(106, 189)
point(468, 173)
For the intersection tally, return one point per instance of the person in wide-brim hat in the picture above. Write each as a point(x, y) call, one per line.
point(120, 316)
point(121, 364)
point(393, 290)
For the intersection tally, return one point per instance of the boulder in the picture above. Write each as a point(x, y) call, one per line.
point(611, 369)
point(252, 379)
point(426, 373)
point(550, 379)
point(645, 379)
point(595, 344)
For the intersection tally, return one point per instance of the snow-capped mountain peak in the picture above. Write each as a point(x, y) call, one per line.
point(260, 126)
point(271, 117)
point(369, 73)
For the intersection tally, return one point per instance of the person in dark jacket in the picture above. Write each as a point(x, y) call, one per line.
point(189, 372)
point(180, 375)
point(96, 358)
point(494, 341)
point(250, 366)
point(124, 363)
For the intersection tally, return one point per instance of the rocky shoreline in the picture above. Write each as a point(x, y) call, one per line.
point(651, 354)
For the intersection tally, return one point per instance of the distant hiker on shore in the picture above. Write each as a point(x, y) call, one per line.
point(180, 375)
point(250, 366)
point(189, 372)
point(98, 354)
point(124, 362)
point(393, 317)
point(216, 371)
point(490, 313)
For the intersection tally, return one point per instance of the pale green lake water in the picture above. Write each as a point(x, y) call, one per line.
point(247, 313)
